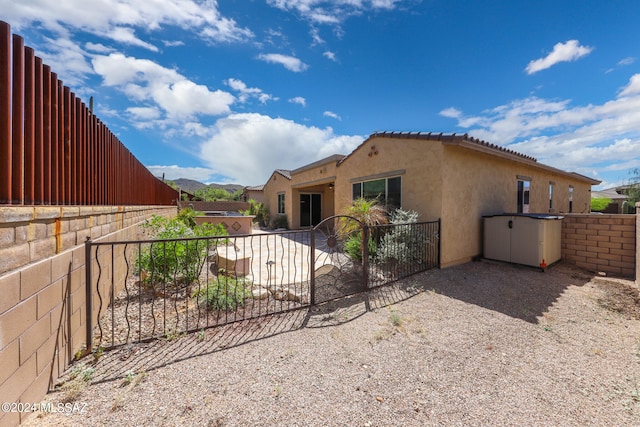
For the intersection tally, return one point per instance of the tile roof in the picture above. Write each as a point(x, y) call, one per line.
point(284, 172)
point(453, 137)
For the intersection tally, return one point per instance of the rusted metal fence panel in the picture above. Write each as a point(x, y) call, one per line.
point(53, 149)
point(5, 113)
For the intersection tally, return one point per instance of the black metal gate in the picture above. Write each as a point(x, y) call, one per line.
point(340, 258)
point(146, 289)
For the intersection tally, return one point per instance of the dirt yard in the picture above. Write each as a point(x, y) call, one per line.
point(478, 344)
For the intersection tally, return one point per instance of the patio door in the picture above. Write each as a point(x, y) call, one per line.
point(310, 209)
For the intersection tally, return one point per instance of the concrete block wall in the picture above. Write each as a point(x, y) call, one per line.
point(43, 291)
point(601, 243)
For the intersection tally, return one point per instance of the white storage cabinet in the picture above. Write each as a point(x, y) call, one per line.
point(528, 239)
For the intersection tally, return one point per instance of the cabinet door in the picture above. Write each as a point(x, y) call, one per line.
point(497, 238)
point(527, 241)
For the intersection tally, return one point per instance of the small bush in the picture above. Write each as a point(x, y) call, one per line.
point(224, 293)
point(279, 221)
point(403, 244)
point(353, 246)
point(166, 261)
point(259, 211)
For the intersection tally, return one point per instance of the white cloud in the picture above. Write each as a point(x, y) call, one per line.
point(248, 92)
point(298, 100)
point(247, 148)
point(633, 88)
point(144, 113)
point(330, 55)
point(332, 115)
point(172, 172)
point(145, 81)
point(562, 52)
point(119, 19)
point(627, 61)
point(451, 112)
point(291, 63)
point(332, 12)
point(578, 138)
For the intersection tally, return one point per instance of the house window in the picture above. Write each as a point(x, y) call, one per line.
point(524, 191)
point(551, 185)
point(281, 203)
point(387, 190)
point(570, 198)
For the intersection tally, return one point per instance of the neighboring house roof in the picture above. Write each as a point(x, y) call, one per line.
point(335, 158)
point(610, 193)
point(254, 188)
point(476, 144)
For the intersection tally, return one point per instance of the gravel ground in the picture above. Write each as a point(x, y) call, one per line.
point(478, 344)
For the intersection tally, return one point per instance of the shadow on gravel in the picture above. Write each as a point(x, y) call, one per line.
point(517, 291)
point(116, 364)
point(520, 292)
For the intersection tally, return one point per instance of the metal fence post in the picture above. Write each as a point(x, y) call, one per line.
point(89, 297)
point(312, 282)
point(439, 240)
point(365, 256)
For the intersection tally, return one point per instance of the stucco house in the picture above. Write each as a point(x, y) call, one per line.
point(456, 178)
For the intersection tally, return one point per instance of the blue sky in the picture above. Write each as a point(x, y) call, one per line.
point(228, 91)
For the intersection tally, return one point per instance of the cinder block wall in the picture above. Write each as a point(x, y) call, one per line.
point(601, 243)
point(43, 292)
point(638, 244)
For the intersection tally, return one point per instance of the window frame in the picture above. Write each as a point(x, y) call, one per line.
point(523, 193)
point(281, 203)
point(361, 190)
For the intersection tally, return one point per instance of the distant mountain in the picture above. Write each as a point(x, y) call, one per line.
point(191, 185)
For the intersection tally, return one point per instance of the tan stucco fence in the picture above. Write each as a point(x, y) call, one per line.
point(43, 280)
point(43, 289)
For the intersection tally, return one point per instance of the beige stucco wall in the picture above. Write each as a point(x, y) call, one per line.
point(314, 178)
point(417, 163)
point(477, 184)
point(276, 184)
point(448, 181)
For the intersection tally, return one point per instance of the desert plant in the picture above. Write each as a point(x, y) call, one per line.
point(279, 221)
point(79, 378)
point(187, 216)
point(353, 246)
point(224, 293)
point(182, 256)
point(259, 211)
point(402, 244)
point(368, 212)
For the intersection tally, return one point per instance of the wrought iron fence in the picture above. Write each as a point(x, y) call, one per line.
point(148, 289)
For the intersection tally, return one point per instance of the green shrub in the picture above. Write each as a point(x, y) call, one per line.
point(279, 221)
point(180, 259)
point(598, 204)
point(224, 293)
point(403, 244)
point(259, 211)
point(353, 246)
